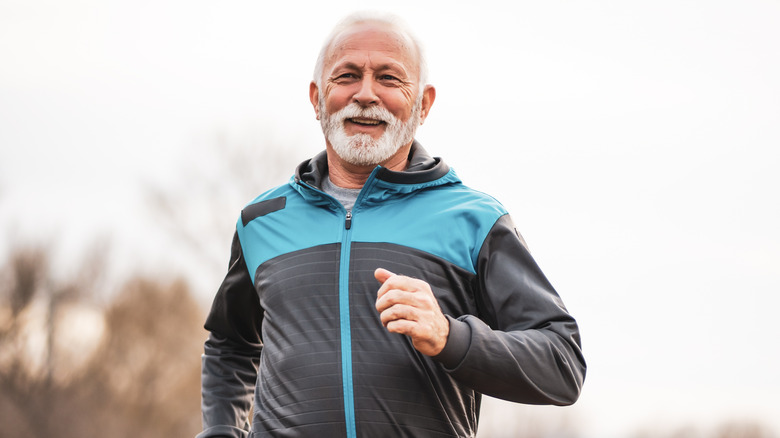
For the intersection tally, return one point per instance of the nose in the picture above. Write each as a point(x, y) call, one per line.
point(366, 94)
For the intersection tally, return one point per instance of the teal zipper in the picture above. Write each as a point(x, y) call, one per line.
point(346, 330)
point(344, 319)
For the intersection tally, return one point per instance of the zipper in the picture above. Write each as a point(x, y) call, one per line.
point(344, 316)
point(346, 329)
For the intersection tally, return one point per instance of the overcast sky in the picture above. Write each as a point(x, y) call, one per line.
point(635, 144)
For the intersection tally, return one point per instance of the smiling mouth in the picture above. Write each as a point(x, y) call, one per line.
point(365, 122)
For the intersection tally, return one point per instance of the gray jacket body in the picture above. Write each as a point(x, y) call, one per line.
point(295, 333)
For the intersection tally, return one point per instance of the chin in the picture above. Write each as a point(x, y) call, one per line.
point(364, 150)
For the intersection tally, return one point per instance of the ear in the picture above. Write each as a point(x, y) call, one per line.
point(429, 95)
point(314, 97)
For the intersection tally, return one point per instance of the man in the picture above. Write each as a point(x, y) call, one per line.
point(375, 295)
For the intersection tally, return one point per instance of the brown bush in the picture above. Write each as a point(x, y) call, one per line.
point(142, 379)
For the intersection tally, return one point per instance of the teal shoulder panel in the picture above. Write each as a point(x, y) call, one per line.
point(450, 222)
point(284, 226)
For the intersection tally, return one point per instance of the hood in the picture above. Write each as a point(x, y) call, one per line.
point(423, 171)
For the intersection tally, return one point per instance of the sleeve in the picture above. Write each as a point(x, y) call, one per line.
point(524, 346)
point(232, 353)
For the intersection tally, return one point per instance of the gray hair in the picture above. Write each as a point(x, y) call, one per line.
point(393, 21)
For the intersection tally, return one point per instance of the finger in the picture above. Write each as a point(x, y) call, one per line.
point(387, 298)
point(392, 297)
point(401, 327)
point(400, 282)
point(382, 274)
point(423, 343)
point(398, 312)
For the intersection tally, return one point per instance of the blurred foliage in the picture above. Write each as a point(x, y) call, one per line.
point(139, 377)
point(129, 366)
point(511, 420)
point(732, 428)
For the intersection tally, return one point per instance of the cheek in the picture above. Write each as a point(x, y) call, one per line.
point(401, 107)
point(410, 94)
point(402, 101)
point(336, 98)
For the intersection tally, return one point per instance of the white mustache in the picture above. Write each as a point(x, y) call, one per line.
point(354, 110)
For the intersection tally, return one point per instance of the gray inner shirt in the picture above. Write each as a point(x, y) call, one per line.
point(347, 197)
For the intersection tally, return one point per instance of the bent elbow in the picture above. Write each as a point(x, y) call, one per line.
point(572, 381)
point(570, 377)
point(570, 397)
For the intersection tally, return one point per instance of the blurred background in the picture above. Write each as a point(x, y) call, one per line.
point(636, 145)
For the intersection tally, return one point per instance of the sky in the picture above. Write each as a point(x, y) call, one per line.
point(636, 145)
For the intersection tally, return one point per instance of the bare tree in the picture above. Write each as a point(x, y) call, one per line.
point(146, 363)
point(142, 379)
point(22, 279)
point(199, 205)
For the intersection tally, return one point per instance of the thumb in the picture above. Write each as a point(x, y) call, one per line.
point(382, 274)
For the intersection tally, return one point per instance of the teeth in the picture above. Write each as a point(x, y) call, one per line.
point(366, 121)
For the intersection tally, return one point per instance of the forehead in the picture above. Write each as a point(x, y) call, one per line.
point(373, 40)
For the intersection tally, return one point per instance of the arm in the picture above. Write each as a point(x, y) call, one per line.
point(231, 353)
point(524, 346)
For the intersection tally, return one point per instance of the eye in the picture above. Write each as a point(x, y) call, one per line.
point(387, 77)
point(344, 77)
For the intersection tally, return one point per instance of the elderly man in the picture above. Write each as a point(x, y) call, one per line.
point(375, 295)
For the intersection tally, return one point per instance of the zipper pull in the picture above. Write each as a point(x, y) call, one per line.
point(348, 222)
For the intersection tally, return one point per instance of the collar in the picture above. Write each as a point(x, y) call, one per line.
point(423, 171)
point(422, 168)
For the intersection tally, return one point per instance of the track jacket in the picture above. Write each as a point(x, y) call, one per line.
point(294, 324)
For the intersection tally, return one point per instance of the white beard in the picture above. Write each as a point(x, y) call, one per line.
point(362, 149)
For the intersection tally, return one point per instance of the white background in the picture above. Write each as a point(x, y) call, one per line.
point(634, 143)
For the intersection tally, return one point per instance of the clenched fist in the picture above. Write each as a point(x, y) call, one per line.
point(407, 306)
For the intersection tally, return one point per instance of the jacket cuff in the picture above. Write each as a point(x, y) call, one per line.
point(223, 432)
point(458, 343)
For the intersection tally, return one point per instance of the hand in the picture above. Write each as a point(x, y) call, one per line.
point(407, 306)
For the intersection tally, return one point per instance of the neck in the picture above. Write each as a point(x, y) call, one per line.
point(351, 176)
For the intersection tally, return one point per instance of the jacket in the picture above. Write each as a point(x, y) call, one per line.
point(293, 327)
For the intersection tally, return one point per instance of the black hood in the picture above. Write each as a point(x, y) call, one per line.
point(422, 168)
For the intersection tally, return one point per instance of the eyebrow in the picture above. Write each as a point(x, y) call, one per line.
point(351, 65)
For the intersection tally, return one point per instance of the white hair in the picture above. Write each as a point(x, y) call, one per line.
point(394, 22)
